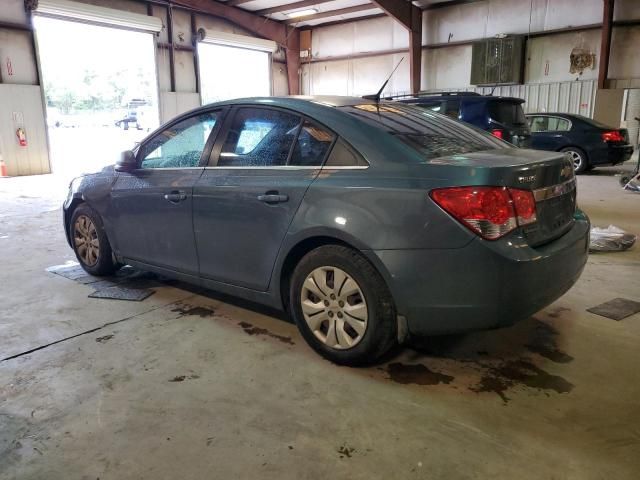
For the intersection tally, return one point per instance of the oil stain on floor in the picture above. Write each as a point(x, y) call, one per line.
point(253, 330)
point(511, 374)
point(417, 374)
point(185, 310)
point(490, 366)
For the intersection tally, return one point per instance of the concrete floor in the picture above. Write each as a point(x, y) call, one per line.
point(176, 387)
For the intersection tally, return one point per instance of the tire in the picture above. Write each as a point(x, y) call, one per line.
point(86, 228)
point(579, 159)
point(325, 323)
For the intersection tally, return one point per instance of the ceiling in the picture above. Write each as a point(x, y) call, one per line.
point(319, 12)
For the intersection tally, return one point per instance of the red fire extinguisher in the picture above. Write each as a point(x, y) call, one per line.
point(22, 137)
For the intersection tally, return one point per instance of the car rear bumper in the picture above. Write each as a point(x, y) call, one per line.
point(611, 155)
point(484, 284)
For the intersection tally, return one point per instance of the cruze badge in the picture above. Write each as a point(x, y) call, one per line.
point(529, 179)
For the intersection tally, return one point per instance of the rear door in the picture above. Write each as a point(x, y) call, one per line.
point(260, 169)
point(549, 132)
point(152, 205)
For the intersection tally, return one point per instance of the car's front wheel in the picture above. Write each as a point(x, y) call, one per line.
point(342, 306)
point(578, 157)
point(90, 242)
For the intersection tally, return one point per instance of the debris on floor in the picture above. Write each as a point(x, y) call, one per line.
point(610, 239)
point(616, 309)
point(182, 378)
point(631, 183)
point(104, 339)
point(126, 284)
point(346, 451)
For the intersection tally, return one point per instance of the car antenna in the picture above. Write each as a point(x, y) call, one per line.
point(377, 96)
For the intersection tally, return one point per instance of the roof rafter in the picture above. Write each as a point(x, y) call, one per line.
point(410, 17)
point(290, 6)
point(331, 13)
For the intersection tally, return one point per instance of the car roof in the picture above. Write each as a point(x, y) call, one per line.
point(297, 100)
point(554, 114)
point(469, 98)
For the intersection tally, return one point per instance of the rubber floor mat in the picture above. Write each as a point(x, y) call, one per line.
point(616, 309)
point(126, 283)
point(122, 293)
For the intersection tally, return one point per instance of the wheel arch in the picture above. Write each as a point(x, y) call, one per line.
point(304, 245)
point(68, 214)
point(578, 147)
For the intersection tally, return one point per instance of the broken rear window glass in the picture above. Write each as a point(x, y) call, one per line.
point(431, 134)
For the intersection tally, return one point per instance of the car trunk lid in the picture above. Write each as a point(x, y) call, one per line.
point(548, 175)
point(508, 121)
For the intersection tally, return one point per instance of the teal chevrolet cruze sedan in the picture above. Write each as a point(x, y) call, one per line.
point(366, 221)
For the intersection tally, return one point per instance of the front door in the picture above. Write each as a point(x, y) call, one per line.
point(153, 205)
point(243, 206)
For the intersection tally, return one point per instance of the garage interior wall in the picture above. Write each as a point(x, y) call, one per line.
point(354, 58)
point(21, 80)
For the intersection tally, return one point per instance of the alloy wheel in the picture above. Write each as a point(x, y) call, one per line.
point(576, 158)
point(85, 238)
point(334, 307)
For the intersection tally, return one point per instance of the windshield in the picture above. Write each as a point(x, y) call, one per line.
point(507, 112)
point(431, 134)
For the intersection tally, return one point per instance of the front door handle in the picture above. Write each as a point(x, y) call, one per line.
point(273, 197)
point(175, 197)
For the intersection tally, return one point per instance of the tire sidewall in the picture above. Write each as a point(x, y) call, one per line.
point(105, 264)
point(378, 305)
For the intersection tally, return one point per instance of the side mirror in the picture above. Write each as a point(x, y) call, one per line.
point(127, 162)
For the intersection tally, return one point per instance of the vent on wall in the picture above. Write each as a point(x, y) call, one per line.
point(497, 61)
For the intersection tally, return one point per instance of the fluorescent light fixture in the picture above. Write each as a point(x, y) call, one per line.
point(302, 13)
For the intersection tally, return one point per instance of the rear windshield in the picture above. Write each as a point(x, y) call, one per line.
point(594, 123)
point(507, 113)
point(431, 134)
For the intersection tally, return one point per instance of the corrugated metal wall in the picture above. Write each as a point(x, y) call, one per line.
point(632, 111)
point(22, 108)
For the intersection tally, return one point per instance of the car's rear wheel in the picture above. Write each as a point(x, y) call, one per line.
point(342, 306)
point(578, 157)
point(90, 242)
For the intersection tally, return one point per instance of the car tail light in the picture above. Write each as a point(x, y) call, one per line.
point(612, 136)
point(496, 132)
point(525, 206)
point(491, 212)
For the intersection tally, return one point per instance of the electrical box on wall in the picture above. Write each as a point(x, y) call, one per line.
point(498, 61)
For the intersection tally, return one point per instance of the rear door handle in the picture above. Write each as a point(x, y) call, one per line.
point(273, 198)
point(175, 197)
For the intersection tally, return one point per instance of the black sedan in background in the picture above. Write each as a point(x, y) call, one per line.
point(589, 143)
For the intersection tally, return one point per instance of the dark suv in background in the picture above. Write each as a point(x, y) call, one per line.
point(501, 116)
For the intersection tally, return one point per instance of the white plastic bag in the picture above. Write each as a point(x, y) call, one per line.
point(610, 239)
